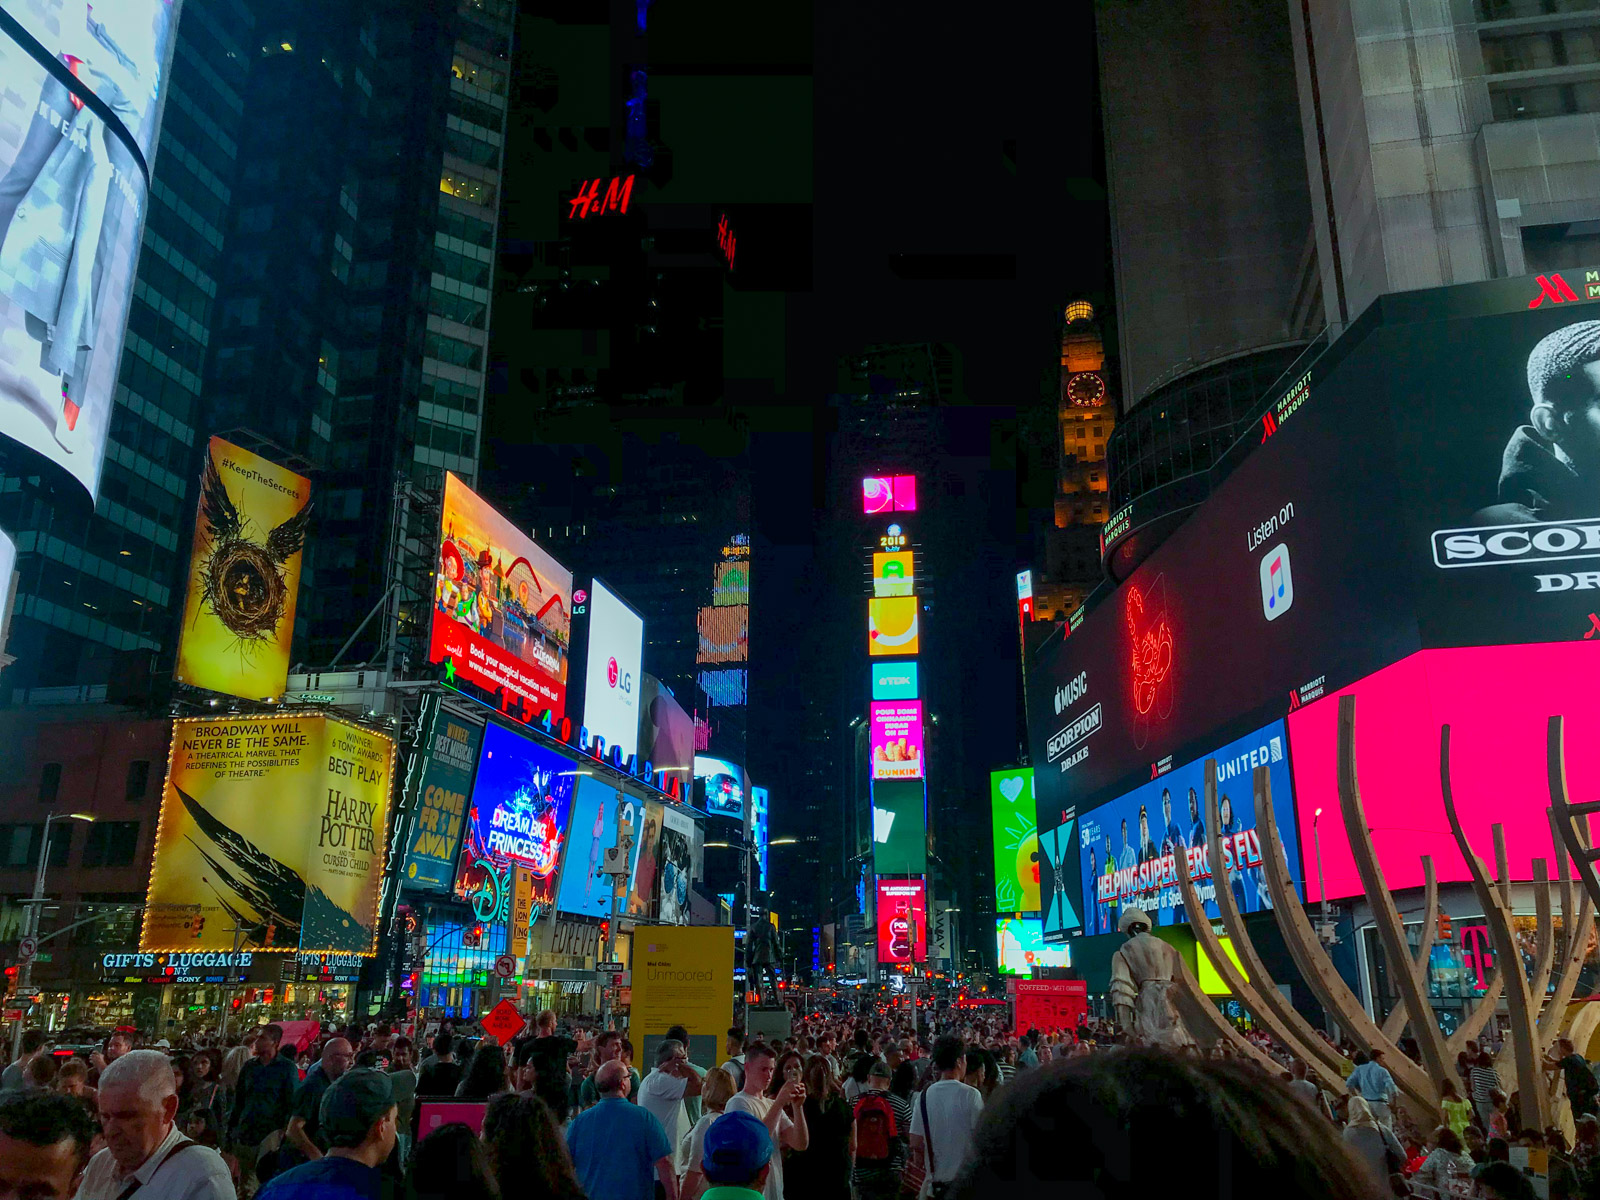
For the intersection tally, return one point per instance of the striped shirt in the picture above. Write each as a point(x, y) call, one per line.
point(1483, 1080)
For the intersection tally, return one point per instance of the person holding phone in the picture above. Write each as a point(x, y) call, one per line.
point(783, 1113)
point(664, 1089)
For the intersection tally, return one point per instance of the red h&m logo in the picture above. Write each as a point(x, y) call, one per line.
point(726, 241)
point(590, 203)
point(1553, 289)
point(1269, 426)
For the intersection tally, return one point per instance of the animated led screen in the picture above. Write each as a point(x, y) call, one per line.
point(1497, 701)
point(899, 826)
point(894, 573)
point(614, 669)
point(889, 493)
point(892, 629)
point(1020, 944)
point(894, 681)
point(501, 611)
point(519, 814)
point(897, 742)
point(1016, 840)
point(1128, 847)
point(902, 921)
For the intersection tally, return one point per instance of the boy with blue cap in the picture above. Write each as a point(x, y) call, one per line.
point(736, 1158)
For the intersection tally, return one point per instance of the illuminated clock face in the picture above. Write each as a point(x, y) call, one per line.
point(1086, 387)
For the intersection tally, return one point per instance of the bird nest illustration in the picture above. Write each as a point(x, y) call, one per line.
point(245, 588)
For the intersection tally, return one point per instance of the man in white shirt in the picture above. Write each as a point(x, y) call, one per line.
point(735, 1064)
point(663, 1090)
point(944, 1116)
point(784, 1115)
point(138, 1101)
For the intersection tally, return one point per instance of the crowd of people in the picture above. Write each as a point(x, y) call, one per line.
point(847, 1107)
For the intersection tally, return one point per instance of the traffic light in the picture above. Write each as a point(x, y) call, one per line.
point(605, 932)
point(472, 936)
point(1446, 930)
point(196, 924)
point(272, 932)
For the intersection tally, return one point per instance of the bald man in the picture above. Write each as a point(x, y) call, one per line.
point(138, 1101)
point(305, 1127)
point(1550, 470)
point(620, 1150)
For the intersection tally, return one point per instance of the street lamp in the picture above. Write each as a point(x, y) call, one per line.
point(25, 975)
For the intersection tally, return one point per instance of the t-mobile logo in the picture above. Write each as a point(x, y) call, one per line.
point(1277, 583)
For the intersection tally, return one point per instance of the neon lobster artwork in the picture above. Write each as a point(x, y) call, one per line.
point(1152, 651)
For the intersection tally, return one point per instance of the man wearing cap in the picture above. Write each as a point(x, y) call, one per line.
point(737, 1157)
point(619, 1150)
point(359, 1116)
point(880, 1178)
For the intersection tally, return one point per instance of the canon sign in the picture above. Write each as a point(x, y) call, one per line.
point(1502, 545)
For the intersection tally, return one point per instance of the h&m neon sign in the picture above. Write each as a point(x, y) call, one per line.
point(590, 202)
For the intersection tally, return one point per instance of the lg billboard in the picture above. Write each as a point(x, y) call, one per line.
point(612, 674)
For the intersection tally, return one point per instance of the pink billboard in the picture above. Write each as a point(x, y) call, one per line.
point(1496, 700)
point(889, 493)
point(897, 739)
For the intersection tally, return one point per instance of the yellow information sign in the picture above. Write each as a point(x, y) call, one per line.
point(244, 574)
point(682, 975)
point(272, 831)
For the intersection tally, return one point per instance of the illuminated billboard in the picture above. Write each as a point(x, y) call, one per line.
point(666, 733)
point(276, 824)
point(724, 634)
point(730, 584)
point(902, 920)
point(892, 626)
point(612, 673)
point(1496, 700)
point(72, 205)
point(1127, 847)
point(889, 493)
point(598, 811)
point(519, 816)
point(677, 865)
point(894, 681)
point(451, 747)
point(727, 687)
point(899, 827)
point(244, 574)
point(897, 742)
point(724, 786)
point(894, 573)
point(646, 859)
point(1060, 886)
point(1016, 840)
point(502, 606)
point(1021, 947)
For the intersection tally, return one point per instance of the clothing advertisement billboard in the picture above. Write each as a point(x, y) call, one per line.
point(435, 843)
point(598, 812)
point(892, 626)
point(1019, 942)
point(502, 612)
point(277, 824)
point(612, 674)
point(646, 861)
point(1059, 883)
point(244, 574)
point(894, 681)
point(899, 827)
point(902, 920)
point(72, 206)
point(1128, 847)
point(1016, 840)
point(724, 786)
point(519, 816)
point(896, 739)
point(1497, 701)
point(677, 865)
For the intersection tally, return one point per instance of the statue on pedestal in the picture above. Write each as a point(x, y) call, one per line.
point(1142, 979)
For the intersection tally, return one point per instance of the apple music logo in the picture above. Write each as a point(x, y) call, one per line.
point(1277, 583)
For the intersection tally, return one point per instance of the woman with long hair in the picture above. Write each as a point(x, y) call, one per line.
point(527, 1155)
point(715, 1091)
point(822, 1170)
point(204, 1090)
point(450, 1164)
point(790, 1064)
point(486, 1074)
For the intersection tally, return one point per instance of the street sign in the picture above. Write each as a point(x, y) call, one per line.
point(505, 966)
point(13, 1014)
point(27, 948)
point(503, 1021)
point(609, 968)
